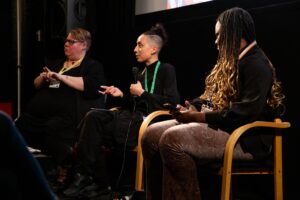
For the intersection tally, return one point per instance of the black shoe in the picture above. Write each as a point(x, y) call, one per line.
point(77, 185)
point(58, 187)
point(94, 190)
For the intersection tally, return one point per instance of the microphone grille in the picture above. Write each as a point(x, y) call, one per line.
point(135, 70)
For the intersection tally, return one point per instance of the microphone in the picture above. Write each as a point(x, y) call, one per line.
point(135, 72)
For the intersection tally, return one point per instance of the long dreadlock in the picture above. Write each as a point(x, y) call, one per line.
point(222, 82)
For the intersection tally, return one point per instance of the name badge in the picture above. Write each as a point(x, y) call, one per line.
point(54, 84)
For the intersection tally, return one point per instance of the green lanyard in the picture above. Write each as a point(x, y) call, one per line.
point(154, 78)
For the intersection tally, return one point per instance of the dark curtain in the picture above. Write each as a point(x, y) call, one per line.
point(112, 25)
point(8, 75)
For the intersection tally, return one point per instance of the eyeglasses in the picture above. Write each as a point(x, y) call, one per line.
point(71, 42)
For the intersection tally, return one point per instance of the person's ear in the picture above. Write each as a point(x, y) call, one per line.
point(153, 51)
point(84, 46)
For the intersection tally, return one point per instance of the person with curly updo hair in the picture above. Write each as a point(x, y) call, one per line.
point(241, 88)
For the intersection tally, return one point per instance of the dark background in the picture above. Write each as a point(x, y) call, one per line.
point(190, 49)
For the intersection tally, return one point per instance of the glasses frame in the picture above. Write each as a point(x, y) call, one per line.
point(70, 41)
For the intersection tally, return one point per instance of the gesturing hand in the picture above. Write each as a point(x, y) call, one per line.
point(111, 90)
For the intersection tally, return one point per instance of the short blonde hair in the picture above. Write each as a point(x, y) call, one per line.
point(82, 35)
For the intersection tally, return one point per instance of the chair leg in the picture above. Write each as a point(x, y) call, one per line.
point(226, 186)
point(278, 185)
point(139, 171)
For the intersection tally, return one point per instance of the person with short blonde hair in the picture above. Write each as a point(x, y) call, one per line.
point(65, 92)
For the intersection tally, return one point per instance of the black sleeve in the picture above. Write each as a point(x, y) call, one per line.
point(165, 91)
point(255, 79)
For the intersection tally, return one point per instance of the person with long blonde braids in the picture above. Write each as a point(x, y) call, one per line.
point(242, 87)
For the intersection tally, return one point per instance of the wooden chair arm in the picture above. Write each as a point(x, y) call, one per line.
point(114, 108)
point(232, 141)
point(148, 120)
point(237, 133)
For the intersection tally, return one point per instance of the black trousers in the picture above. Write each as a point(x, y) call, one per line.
point(54, 135)
point(101, 129)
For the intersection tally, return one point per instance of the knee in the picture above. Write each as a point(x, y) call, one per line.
point(90, 114)
point(170, 146)
point(5, 118)
point(6, 125)
point(149, 142)
point(90, 117)
point(170, 138)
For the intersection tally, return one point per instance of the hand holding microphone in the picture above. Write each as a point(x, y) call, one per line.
point(136, 89)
